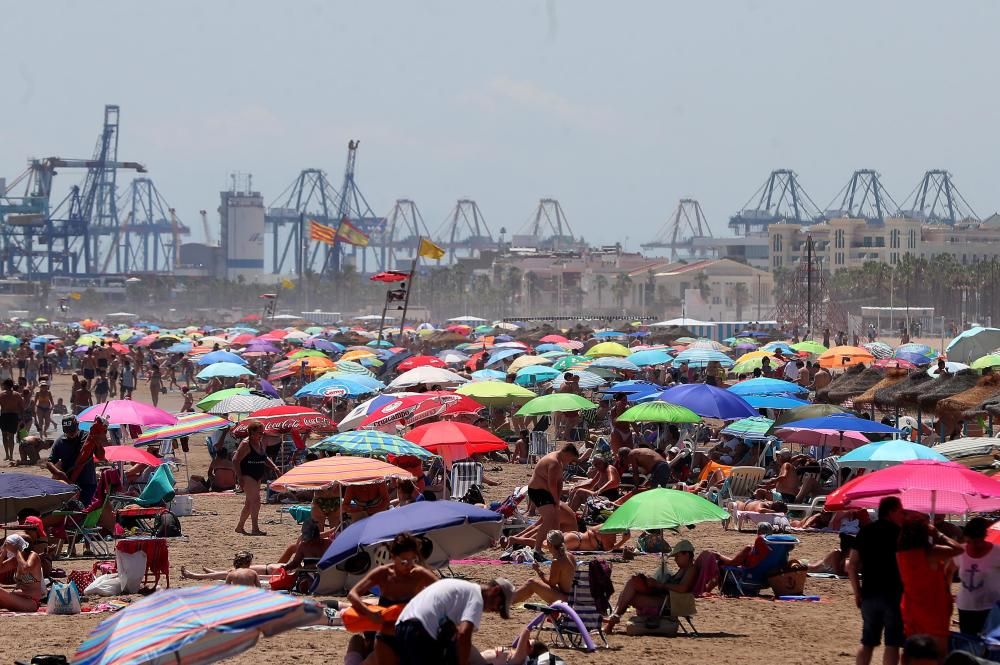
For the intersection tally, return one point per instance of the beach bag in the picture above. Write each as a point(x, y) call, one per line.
point(81, 578)
point(131, 570)
point(167, 525)
point(104, 568)
point(474, 496)
point(105, 585)
point(63, 599)
point(282, 581)
point(601, 586)
point(790, 580)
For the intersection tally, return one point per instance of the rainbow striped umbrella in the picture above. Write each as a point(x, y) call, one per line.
point(187, 424)
point(194, 625)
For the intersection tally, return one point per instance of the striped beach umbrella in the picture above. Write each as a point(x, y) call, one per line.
point(351, 367)
point(322, 473)
point(588, 380)
point(243, 404)
point(368, 443)
point(194, 625)
point(701, 358)
point(187, 424)
point(612, 362)
point(754, 426)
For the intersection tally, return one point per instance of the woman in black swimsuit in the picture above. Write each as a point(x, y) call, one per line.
point(254, 466)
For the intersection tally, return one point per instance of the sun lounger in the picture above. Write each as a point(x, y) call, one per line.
point(742, 517)
point(740, 484)
point(807, 509)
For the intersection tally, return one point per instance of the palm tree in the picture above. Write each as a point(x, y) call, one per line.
point(741, 296)
point(534, 284)
point(621, 288)
point(600, 283)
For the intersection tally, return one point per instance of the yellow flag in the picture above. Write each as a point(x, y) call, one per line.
point(287, 283)
point(430, 250)
point(75, 296)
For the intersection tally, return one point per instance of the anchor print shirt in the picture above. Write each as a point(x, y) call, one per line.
point(980, 581)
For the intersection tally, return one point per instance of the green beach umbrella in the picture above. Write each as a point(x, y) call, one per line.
point(810, 346)
point(308, 353)
point(659, 412)
point(351, 367)
point(496, 393)
point(748, 366)
point(991, 360)
point(369, 443)
point(555, 402)
point(608, 349)
point(209, 401)
point(566, 362)
point(754, 425)
point(663, 509)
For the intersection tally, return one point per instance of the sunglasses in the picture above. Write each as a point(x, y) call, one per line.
point(409, 561)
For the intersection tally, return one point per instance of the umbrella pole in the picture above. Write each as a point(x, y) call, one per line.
point(919, 425)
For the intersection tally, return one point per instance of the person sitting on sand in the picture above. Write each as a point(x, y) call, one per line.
point(605, 482)
point(326, 507)
point(559, 582)
point(646, 594)
point(27, 593)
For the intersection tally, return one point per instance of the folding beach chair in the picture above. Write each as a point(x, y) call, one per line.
point(575, 621)
point(463, 476)
point(748, 581)
point(740, 484)
point(159, 491)
point(84, 528)
point(538, 445)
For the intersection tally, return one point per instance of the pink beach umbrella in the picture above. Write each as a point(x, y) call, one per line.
point(828, 438)
point(926, 486)
point(128, 412)
point(131, 454)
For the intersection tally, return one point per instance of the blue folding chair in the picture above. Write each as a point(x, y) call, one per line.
point(748, 581)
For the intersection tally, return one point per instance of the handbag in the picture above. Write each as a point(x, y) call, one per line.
point(63, 599)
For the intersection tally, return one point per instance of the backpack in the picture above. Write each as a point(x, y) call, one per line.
point(474, 495)
point(601, 586)
point(167, 525)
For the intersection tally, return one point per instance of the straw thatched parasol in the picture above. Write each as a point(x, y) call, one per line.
point(856, 380)
point(903, 393)
point(970, 403)
point(947, 386)
point(893, 375)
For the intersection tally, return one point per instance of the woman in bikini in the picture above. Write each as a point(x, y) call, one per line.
point(254, 465)
point(27, 593)
point(43, 409)
point(558, 584)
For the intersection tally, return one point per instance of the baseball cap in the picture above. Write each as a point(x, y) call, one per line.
point(71, 422)
point(507, 587)
point(35, 522)
point(682, 546)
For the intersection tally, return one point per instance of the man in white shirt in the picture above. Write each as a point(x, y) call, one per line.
point(792, 370)
point(437, 624)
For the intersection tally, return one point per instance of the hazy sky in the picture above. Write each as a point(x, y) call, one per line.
point(617, 109)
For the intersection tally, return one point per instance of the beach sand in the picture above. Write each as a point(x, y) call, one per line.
point(750, 630)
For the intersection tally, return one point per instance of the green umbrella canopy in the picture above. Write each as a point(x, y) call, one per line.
point(991, 360)
point(496, 393)
point(803, 412)
point(659, 412)
point(809, 346)
point(209, 401)
point(555, 402)
point(662, 509)
point(566, 362)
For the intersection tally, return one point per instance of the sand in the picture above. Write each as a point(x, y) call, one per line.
point(753, 630)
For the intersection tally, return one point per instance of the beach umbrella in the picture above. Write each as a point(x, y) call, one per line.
point(701, 358)
point(127, 412)
point(878, 349)
point(527, 361)
point(989, 360)
point(455, 440)
point(610, 334)
point(920, 349)
point(703, 343)
point(774, 401)
point(755, 426)
point(612, 362)
point(822, 438)
point(224, 370)
point(452, 357)
point(194, 625)
point(924, 486)
point(220, 357)
point(247, 403)
point(650, 357)
point(324, 345)
point(544, 348)
point(755, 355)
point(748, 366)
point(950, 366)
point(351, 367)
point(662, 509)
point(358, 414)
point(455, 529)
point(487, 375)
point(766, 386)
point(845, 356)
point(893, 363)
point(307, 353)
point(420, 361)
point(286, 419)
point(180, 347)
point(562, 364)
point(658, 412)
point(807, 411)
point(499, 355)
point(588, 380)
point(554, 339)
point(334, 387)
point(535, 374)
point(370, 443)
point(607, 349)
point(917, 359)
point(187, 424)
point(496, 393)
point(555, 402)
point(842, 422)
point(322, 473)
point(784, 347)
point(973, 343)
point(131, 454)
point(209, 401)
point(417, 407)
point(881, 454)
point(709, 401)
point(426, 375)
point(369, 382)
point(21, 490)
point(809, 346)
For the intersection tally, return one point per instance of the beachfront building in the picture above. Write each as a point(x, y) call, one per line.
point(844, 243)
point(714, 290)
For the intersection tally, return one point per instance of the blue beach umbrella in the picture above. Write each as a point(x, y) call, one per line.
point(765, 386)
point(709, 401)
point(650, 357)
point(535, 374)
point(227, 370)
point(881, 454)
point(842, 422)
point(701, 358)
point(774, 401)
point(213, 357)
point(336, 387)
point(488, 375)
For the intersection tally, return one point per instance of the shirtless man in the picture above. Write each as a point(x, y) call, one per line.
point(11, 408)
point(651, 463)
point(545, 490)
point(621, 433)
point(787, 481)
point(605, 482)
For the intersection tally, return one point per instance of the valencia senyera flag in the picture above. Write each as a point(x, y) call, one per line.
point(321, 233)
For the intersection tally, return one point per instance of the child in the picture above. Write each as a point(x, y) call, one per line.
point(60, 408)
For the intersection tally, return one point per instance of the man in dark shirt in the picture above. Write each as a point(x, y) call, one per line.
point(879, 589)
point(63, 459)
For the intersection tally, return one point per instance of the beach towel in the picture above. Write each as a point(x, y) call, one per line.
point(707, 565)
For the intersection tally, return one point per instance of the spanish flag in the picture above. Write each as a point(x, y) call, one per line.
point(321, 233)
point(430, 250)
point(351, 234)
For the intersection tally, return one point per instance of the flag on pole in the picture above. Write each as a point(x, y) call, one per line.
point(430, 250)
point(321, 233)
point(351, 234)
point(287, 283)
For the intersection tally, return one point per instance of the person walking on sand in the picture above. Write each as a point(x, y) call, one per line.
point(545, 490)
point(254, 464)
point(11, 406)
